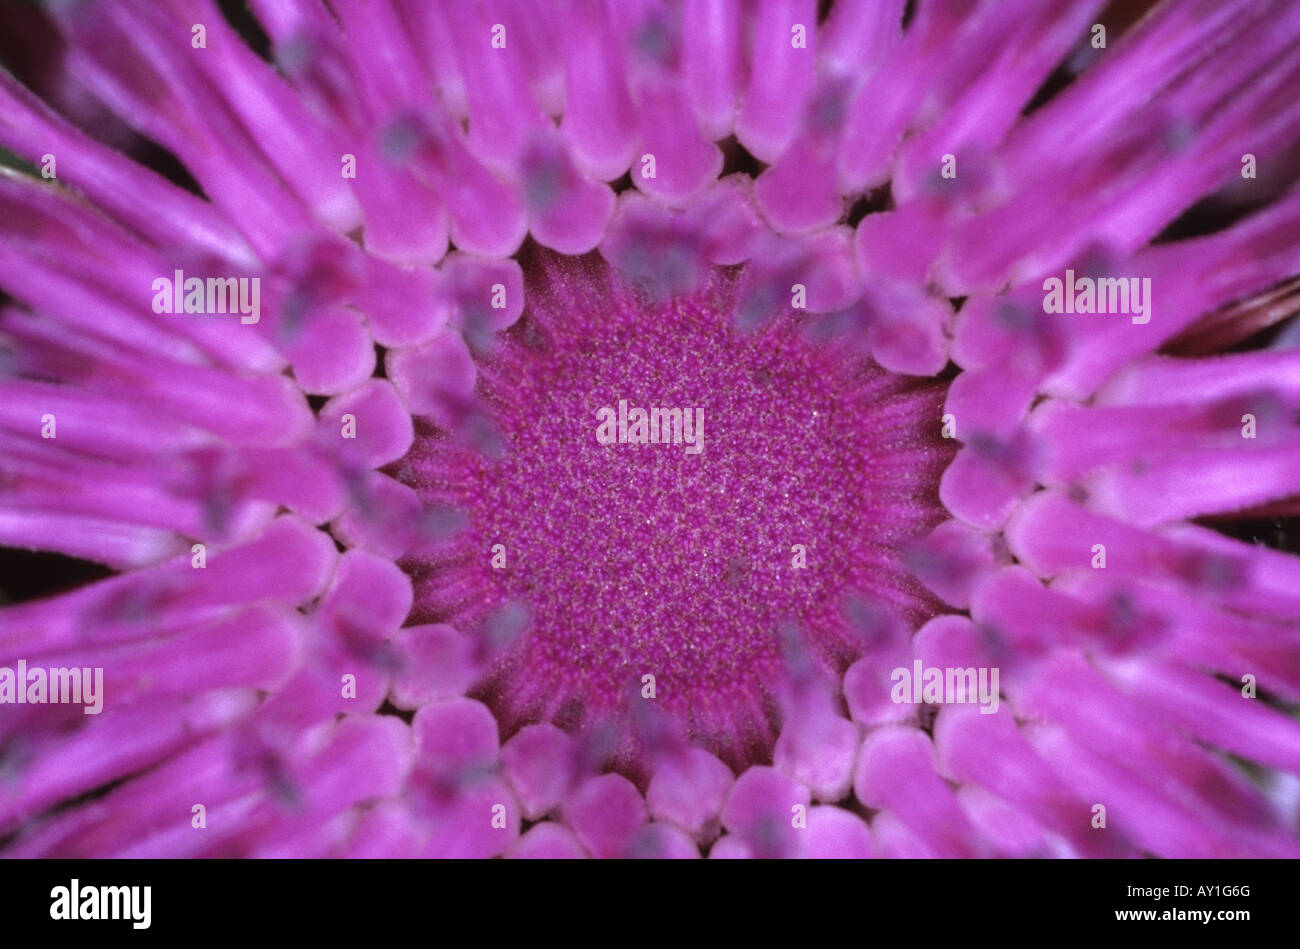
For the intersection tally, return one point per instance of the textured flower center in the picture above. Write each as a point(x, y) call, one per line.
point(683, 557)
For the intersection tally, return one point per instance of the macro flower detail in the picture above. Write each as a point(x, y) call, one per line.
point(688, 427)
point(630, 561)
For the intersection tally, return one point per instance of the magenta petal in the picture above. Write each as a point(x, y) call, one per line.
point(819, 750)
point(712, 62)
point(781, 76)
point(385, 519)
point(729, 221)
point(952, 560)
point(896, 771)
point(798, 194)
point(368, 598)
point(335, 355)
point(539, 763)
point(834, 833)
point(385, 831)
point(685, 162)
point(488, 215)
point(763, 808)
point(600, 122)
point(478, 821)
point(567, 212)
point(981, 488)
point(689, 790)
point(435, 379)
point(368, 424)
point(606, 813)
point(455, 738)
point(658, 841)
point(547, 841)
point(731, 847)
point(906, 333)
point(437, 664)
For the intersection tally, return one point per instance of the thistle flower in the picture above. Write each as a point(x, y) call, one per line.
point(916, 547)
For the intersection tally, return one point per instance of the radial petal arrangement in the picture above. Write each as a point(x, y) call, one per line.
point(729, 428)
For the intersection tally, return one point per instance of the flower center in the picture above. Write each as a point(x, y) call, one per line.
point(670, 495)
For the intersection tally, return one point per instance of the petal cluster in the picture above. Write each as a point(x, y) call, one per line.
point(298, 660)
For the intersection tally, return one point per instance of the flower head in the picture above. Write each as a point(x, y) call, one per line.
point(561, 429)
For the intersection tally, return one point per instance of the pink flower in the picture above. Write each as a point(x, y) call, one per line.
point(651, 429)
